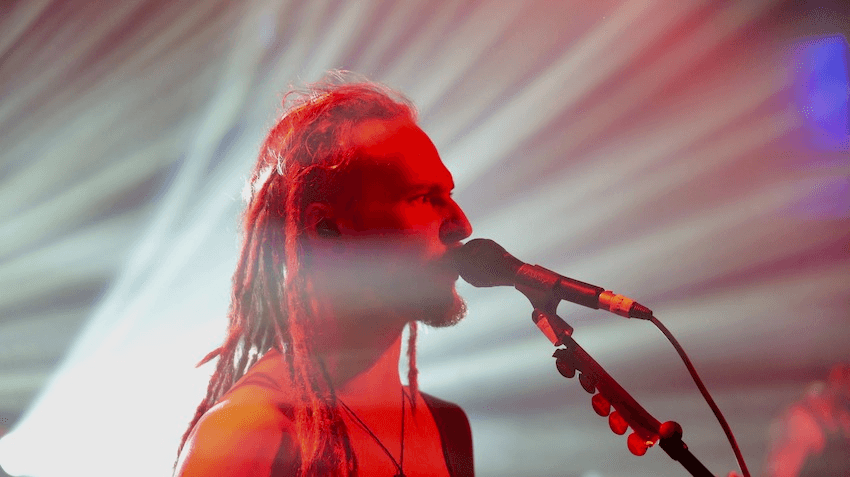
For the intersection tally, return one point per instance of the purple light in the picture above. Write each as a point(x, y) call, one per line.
point(821, 91)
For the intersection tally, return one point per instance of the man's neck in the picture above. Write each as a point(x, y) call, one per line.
point(377, 384)
point(363, 367)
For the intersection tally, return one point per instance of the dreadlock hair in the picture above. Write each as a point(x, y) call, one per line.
point(301, 161)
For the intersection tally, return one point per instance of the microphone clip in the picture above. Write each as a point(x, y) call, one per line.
point(544, 315)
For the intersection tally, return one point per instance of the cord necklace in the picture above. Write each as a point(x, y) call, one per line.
point(399, 464)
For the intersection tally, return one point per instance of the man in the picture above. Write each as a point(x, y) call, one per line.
point(812, 437)
point(347, 232)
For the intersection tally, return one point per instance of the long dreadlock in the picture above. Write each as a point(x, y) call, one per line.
point(301, 161)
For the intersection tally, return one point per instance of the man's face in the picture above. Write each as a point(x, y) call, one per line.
point(398, 220)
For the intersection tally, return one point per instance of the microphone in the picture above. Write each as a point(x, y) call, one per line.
point(484, 263)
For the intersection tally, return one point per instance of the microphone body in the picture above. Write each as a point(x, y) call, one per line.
point(484, 263)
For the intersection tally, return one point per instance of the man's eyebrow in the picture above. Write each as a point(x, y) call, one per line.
point(431, 188)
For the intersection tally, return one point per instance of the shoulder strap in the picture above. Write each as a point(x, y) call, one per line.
point(455, 435)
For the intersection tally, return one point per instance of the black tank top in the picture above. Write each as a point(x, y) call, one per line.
point(455, 435)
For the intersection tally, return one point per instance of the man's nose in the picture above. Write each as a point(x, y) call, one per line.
point(456, 227)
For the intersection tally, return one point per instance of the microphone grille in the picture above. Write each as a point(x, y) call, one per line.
point(484, 263)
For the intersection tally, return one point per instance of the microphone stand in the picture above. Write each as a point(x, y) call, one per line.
point(627, 412)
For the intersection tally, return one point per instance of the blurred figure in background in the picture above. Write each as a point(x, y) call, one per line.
point(812, 437)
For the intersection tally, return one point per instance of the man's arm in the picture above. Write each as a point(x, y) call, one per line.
point(238, 440)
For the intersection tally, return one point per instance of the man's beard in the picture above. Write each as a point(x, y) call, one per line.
point(438, 310)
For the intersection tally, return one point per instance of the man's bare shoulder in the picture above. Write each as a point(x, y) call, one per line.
point(238, 439)
point(246, 434)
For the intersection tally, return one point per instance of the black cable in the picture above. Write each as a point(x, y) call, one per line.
point(705, 395)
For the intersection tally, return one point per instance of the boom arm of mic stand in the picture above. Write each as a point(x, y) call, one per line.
point(627, 412)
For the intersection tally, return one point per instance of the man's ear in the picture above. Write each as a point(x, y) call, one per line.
point(320, 222)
